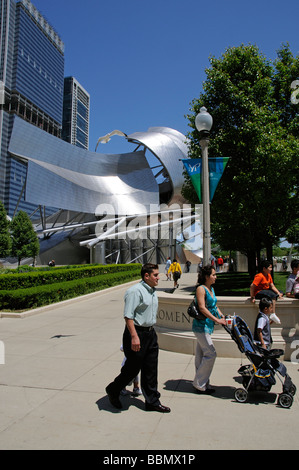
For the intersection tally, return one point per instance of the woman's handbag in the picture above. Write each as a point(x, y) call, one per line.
point(194, 312)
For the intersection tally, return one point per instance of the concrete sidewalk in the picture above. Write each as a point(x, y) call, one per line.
point(59, 359)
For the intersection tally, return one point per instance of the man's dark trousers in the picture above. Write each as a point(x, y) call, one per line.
point(144, 361)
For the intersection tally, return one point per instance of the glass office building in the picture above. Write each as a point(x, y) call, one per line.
point(75, 124)
point(32, 76)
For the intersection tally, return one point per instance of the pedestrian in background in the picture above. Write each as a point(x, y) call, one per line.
point(176, 271)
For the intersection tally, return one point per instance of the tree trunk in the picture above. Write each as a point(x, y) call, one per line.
point(269, 248)
point(251, 263)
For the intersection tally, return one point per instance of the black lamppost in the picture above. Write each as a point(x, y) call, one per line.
point(203, 123)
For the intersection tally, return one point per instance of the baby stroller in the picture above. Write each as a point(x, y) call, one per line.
point(260, 374)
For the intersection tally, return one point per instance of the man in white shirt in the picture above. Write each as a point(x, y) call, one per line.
point(140, 341)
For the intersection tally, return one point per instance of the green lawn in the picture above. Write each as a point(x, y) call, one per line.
point(238, 284)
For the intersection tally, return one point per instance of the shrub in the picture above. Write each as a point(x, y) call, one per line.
point(17, 280)
point(39, 295)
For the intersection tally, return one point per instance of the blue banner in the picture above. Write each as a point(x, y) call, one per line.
point(193, 167)
point(216, 168)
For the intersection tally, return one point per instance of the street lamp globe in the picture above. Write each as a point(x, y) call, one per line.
point(203, 121)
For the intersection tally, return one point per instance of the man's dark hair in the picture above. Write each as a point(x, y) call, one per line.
point(148, 268)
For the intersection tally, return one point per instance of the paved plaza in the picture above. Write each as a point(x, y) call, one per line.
point(59, 359)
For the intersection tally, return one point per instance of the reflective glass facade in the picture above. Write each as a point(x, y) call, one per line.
point(32, 70)
point(38, 71)
point(76, 103)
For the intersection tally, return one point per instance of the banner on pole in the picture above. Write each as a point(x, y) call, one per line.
point(193, 167)
point(216, 168)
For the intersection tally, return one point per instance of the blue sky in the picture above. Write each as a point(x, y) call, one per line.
point(143, 62)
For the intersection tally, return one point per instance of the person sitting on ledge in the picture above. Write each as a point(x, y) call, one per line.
point(263, 286)
point(292, 280)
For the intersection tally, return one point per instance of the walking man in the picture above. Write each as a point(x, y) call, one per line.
point(140, 341)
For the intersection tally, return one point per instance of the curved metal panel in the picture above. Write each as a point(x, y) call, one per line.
point(169, 146)
point(68, 177)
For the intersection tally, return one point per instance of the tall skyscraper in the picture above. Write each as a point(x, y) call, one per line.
point(75, 125)
point(32, 76)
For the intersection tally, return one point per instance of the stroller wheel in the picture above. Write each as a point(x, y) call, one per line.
point(241, 395)
point(285, 400)
point(293, 390)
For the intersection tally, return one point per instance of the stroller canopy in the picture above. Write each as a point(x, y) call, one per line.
point(243, 336)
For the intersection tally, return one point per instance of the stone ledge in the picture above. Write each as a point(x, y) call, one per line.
point(174, 326)
point(185, 342)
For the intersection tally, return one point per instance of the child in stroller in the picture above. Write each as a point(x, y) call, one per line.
point(260, 374)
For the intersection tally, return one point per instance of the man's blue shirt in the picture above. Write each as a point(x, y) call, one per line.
point(141, 304)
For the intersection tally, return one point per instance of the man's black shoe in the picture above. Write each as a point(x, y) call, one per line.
point(114, 400)
point(160, 408)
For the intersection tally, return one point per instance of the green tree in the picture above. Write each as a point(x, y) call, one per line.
point(286, 72)
point(5, 241)
point(25, 243)
point(292, 235)
point(255, 202)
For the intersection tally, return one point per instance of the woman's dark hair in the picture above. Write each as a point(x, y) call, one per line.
point(204, 272)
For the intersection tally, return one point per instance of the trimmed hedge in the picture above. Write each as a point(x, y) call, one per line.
point(38, 296)
point(54, 275)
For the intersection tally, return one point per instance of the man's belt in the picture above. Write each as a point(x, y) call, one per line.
point(143, 328)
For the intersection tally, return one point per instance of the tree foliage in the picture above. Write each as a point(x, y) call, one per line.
point(24, 239)
point(5, 241)
point(256, 125)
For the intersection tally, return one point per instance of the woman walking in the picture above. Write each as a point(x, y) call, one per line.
point(203, 328)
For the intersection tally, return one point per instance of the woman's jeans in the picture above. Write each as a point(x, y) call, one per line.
point(204, 360)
